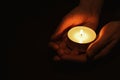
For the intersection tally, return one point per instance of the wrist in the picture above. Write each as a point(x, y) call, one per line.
point(93, 6)
point(89, 11)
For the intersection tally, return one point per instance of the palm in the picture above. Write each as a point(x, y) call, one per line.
point(76, 17)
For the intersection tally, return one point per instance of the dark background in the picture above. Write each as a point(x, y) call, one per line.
point(30, 58)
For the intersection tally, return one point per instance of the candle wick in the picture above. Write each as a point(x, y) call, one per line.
point(81, 34)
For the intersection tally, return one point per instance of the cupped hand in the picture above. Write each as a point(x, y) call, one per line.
point(78, 16)
point(108, 37)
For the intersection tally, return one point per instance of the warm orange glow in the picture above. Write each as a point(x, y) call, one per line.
point(81, 34)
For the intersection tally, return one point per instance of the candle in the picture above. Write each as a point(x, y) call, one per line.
point(81, 34)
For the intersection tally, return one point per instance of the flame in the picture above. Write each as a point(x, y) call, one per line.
point(82, 36)
point(81, 33)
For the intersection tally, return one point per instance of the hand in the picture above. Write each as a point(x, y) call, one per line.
point(78, 16)
point(108, 37)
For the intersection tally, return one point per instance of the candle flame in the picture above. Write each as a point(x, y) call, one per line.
point(81, 33)
point(82, 36)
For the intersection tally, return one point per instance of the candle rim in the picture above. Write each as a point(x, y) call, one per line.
point(83, 27)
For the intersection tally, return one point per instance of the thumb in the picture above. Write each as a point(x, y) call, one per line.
point(62, 28)
point(95, 47)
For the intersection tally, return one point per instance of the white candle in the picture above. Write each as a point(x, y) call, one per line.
point(81, 34)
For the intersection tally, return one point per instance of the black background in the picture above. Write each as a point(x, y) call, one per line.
point(30, 58)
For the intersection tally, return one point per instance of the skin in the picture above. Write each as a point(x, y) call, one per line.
point(105, 42)
point(87, 15)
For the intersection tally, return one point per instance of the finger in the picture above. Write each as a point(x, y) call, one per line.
point(54, 45)
point(61, 52)
point(106, 50)
point(61, 28)
point(67, 51)
point(56, 58)
point(75, 51)
point(99, 44)
point(78, 58)
point(67, 22)
point(95, 47)
point(91, 25)
point(63, 46)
